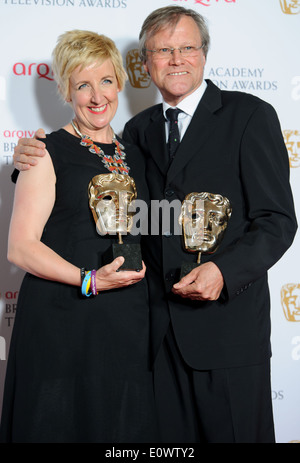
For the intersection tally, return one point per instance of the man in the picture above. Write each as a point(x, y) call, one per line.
point(211, 330)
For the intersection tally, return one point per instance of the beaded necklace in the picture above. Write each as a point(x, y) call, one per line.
point(114, 163)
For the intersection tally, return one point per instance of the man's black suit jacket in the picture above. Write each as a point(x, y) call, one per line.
point(234, 147)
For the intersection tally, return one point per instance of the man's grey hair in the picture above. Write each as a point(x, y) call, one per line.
point(170, 16)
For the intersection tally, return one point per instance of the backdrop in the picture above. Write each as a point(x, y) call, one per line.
point(255, 48)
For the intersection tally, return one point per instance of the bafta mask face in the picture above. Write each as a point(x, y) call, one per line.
point(204, 220)
point(290, 6)
point(110, 198)
point(292, 141)
point(138, 77)
point(290, 299)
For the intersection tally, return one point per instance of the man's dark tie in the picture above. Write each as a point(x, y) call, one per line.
point(174, 137)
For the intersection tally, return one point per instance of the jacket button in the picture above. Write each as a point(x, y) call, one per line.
point(169, 276)
point(169, 193)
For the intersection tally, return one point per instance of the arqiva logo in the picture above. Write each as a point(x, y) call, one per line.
point(43, 70)
point(208, 2)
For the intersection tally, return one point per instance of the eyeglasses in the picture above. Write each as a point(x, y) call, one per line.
point(165, 52)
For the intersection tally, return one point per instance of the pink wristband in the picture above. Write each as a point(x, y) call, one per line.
point(93, 283)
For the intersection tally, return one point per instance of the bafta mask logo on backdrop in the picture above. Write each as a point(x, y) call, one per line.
point(290, 300)
point(138, 77)
point(290, 6)
point(292, 142)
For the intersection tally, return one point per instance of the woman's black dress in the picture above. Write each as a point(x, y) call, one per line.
point(78, 367)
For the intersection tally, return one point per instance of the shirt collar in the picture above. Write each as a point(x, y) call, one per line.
point(189, 104)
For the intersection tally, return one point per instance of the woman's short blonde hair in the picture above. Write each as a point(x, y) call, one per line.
point(83, 48)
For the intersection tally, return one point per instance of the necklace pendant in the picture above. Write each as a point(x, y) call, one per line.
point(96, 150)
point(114, 163)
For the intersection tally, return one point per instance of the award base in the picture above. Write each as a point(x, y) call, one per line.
point(131, 253)
point(187, 267)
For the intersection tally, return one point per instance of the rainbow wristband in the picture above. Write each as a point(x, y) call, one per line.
point(85, 287)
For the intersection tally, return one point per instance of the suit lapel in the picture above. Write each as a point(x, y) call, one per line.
point(156, 140)
point(199, 130)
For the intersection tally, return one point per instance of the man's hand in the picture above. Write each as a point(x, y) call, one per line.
point(27, 150)
point(204, 283)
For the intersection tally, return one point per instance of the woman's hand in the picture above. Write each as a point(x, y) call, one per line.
point(107, 277)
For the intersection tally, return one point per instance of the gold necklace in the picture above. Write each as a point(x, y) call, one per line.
point(114, 163)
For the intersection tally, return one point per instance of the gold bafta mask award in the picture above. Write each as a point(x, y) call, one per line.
point(110, 198)
point(204, 218)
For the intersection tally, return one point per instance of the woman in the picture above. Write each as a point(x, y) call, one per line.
point(78, 365)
